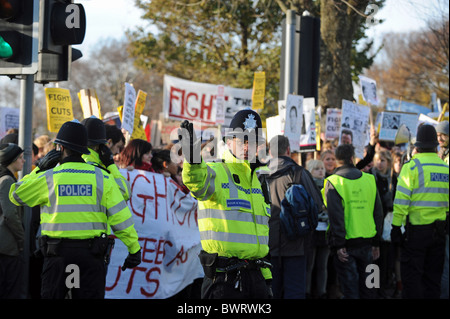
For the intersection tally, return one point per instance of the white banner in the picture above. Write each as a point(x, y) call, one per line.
point(308, 135)
point(128, 108)
point(333, 124)
point(391, 121)
point(166, 222)
point(194, 101)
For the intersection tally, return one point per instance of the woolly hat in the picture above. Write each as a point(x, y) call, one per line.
point(442, 127)
point(9, 153)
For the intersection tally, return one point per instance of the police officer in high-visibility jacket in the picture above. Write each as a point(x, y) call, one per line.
point(100, 154)
point(233, 212)
point(77, 201)
point(421, 202)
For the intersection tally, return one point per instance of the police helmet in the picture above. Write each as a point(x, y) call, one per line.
point(246, 124)
point(426, 137)
point(73, 135)
point(96, 131)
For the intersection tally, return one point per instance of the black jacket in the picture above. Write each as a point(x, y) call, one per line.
point(279, 180)
point(336, 234)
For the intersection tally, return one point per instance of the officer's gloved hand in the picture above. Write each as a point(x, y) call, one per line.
point(105, 154)
point(191, 146)
point(396, 235)
point(132, 260)
point(50, 160)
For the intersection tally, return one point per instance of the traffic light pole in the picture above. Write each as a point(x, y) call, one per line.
point(25, 134)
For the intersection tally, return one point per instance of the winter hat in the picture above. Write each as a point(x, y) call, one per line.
point(442, 127)
point(9, 153)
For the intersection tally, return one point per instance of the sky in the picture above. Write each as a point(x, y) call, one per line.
point(111, 18)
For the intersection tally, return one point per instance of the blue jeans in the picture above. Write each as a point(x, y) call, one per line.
point(289, 277)
point(352, 273)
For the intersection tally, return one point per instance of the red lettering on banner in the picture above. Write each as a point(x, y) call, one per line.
point(144, 196)
point(180, 258)
point(172, 96)
point(206, 108)
point(195, 111)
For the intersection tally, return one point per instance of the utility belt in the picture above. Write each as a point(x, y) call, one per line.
point(438, 228)
point(99, 246)
point(213, 263)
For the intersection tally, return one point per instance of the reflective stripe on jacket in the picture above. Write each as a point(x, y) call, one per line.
point(422, 190)
point(78, 201)
point(232, 215)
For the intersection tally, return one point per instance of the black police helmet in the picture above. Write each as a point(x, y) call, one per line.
point(73, 135)
point(426, 137)
point(96, 131)
point(246, 123)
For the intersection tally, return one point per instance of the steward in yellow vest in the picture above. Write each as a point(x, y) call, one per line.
point(233, 211)
point(356, 220)
point(78, 201)
point(421, 204)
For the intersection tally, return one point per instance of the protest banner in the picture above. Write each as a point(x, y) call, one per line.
point(59, 108)
point(259, 90)
point(391, 121)
point(308, 131)
point(333, 124)
point(293, 124)
point(194, 101)
point(9, 118)
point(369, 90)
point(355, 124)
point(90, 105)
point(128, 109)
point(165, 219)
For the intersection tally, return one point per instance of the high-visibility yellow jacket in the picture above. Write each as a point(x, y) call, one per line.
point(358, 200)
point(232, 213)
point(422, 191)
point(121, 181)
point(78, 201)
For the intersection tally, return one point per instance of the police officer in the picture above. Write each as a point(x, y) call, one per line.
point(233, 212)
point(100, 154)
point(356, 219)
point(421, 203)
point(77, 201)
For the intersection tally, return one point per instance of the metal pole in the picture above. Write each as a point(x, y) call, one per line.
point(290, 56)
point(25, 132)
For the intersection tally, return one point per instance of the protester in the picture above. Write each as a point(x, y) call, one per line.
point(317, 258)
point(137, 154)
point(443, 138)
point(382, 172)
point(78, 202)
point(287, 256)
point(41, 141)
point(233, 210)
point(115, 139)
point(329, 161)
point(162, 164)
point(355, 225)
point(421, 203)
point(12, 233)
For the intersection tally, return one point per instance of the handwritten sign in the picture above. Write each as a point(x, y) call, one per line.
point(166, 222)
point(333, 124)
point(128, 108)
point(259, 90)
point(59, 108)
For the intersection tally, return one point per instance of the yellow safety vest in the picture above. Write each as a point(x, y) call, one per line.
point(121, 181)
point(78, 201)
point(422, 191)
point(358, 199)
point(232, 213)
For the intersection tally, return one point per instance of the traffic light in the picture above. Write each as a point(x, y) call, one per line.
point(18, 47)
point(62, 24)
